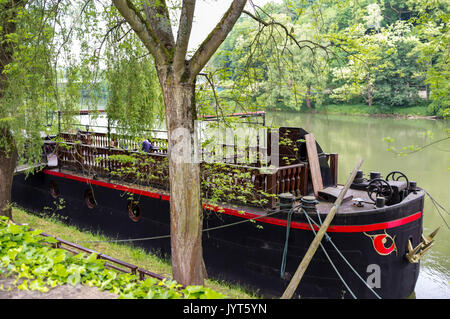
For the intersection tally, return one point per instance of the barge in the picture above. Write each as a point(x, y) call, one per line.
point(372, 248)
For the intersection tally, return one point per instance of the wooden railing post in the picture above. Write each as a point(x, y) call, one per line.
point(272, 187)
point(334, 167)
point(304, 175)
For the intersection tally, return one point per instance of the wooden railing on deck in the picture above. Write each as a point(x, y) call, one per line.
point(124, 142)
point(152, 169)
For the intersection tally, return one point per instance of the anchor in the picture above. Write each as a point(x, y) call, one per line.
point(415, 254)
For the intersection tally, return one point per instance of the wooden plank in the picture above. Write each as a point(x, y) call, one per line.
point(314, 166)
point(332, 193)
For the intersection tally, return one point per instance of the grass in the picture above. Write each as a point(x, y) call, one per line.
point(362, 109)
point(127, 253)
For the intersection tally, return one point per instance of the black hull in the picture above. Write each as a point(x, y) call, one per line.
point(250, 253)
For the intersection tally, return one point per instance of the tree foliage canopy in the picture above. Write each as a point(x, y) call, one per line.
point(373, 52)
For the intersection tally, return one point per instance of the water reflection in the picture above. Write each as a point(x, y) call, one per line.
point(356, 137)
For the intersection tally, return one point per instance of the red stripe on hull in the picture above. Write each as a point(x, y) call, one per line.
point(242, 214)
point(104, 184)
point(331, 229)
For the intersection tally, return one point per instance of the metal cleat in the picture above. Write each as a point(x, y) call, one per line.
point(415, 254)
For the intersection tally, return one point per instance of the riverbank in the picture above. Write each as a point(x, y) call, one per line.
point(127, 253)
point(413, 112)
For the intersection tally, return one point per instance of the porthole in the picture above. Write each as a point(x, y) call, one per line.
point(134, 210)
point(90, 199)
point(54, 190)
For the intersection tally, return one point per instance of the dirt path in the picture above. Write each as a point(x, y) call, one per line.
point(60, 292)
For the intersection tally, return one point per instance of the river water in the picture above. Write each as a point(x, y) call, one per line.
point(353, 137)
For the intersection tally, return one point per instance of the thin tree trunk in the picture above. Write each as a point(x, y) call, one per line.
point(8, 158)
point(8, 150)
point(308, 96)
point(186, 214)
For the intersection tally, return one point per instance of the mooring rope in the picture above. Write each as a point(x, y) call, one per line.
point(328, 238)
point(326, 254)
point(437, 206)
point(168, 236)
point(286, 243)
point(285, 250)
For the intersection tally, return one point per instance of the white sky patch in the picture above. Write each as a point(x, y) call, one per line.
point(208, 13)
point(206, 16)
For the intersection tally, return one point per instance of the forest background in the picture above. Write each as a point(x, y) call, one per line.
point(348, 57)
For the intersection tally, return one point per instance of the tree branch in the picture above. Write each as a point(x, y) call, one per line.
point(184, 32)
point(215, 38)
point(157, 16)
point(213, 88)
point(288, 33)
point(143, 30)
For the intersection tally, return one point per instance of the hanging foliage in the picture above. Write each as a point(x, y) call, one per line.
point(135, 102)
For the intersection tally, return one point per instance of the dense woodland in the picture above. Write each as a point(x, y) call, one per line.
point(386, 53)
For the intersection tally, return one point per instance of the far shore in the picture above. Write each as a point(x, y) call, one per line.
point(414, 112)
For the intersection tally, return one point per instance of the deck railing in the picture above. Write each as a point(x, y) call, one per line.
point(247, 185)
point(114, 141)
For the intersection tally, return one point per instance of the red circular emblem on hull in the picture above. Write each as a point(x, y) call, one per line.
point(384, 244)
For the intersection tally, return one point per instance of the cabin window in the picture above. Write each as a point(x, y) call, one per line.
point(54, 190)
point(134, 210)
point(90, 199)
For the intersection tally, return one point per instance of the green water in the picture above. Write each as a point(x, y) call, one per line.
point(353, 137)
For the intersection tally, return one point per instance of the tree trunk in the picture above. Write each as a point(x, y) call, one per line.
point(8, 158)
point(177, 79)
point(369, 98)
point(370, 90)
point(186, 213)
point(308, 96)
point(8, 151)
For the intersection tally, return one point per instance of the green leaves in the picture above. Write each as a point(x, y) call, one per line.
point(36, 266)
point(200, 292)
point(74, 279)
